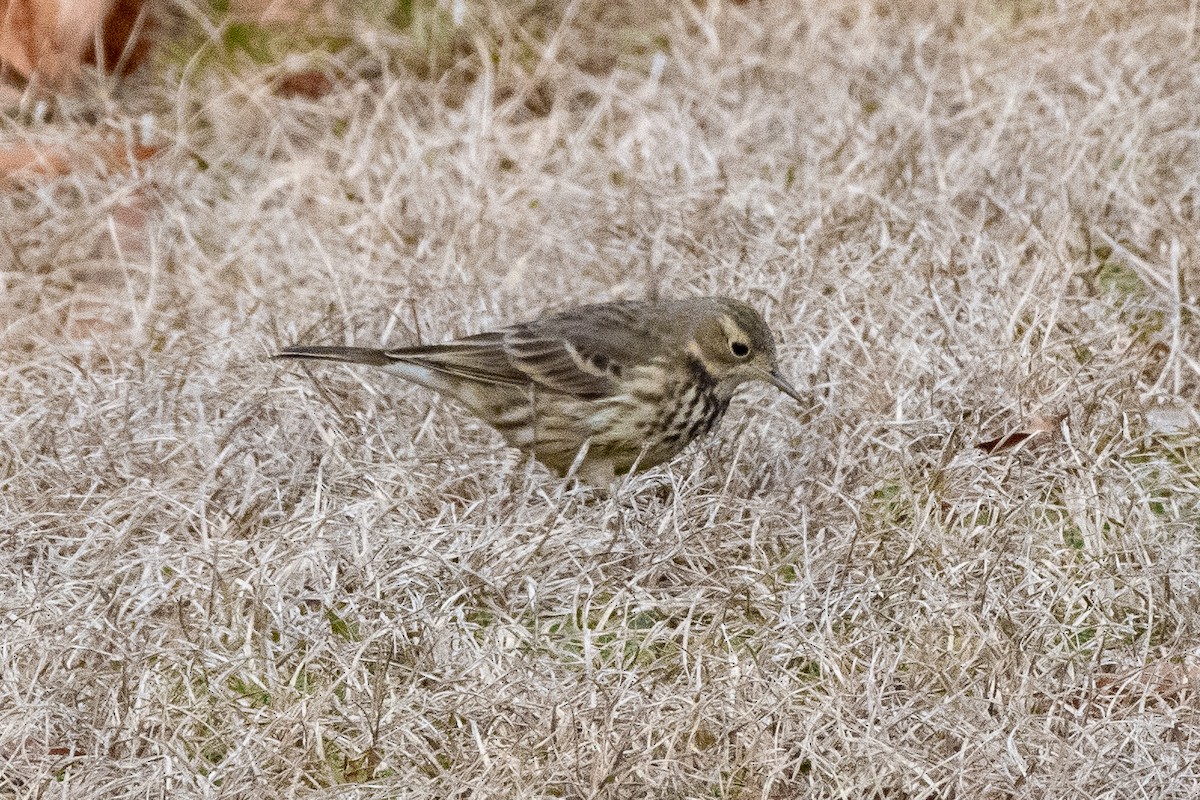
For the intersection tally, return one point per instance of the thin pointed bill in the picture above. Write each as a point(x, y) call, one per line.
point(779, 383)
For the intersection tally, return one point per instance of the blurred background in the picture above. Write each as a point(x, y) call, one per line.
point(967, 568)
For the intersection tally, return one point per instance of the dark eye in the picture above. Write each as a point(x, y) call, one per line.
point(739, 349)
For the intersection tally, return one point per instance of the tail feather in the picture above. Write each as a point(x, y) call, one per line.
point(352, 355)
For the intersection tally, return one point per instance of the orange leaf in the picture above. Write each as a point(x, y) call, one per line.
point(23, 162)
point(54, 38)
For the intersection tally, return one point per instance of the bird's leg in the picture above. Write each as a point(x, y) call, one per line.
point(580, 458)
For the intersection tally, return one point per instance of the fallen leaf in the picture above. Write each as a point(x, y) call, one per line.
point(24, 162)
point(311, 84)
point(125, 37)
point(1041, 429)
point(54, 38)
point(1164, 680)
point(21, 160)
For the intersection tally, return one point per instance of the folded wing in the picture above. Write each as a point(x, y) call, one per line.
point(584, 353)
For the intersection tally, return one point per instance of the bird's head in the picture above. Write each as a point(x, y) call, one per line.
point(732, 341)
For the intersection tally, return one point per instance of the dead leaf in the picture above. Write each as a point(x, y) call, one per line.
point(54, 38)
point(311, 84)
point(25, 162)
point(1040, 430)
point(1163, 680)
point(21, 160)
point(125, 37)
point(130, 225)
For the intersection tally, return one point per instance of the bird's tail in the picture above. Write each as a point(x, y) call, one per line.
point(352, 355)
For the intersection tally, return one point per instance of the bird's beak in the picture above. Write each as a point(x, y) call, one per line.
point(774, 378)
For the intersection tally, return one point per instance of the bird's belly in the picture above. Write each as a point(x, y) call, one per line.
point(634, 433)
point(626, 431)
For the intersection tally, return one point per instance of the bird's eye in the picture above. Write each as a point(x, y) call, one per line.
point(739, 349)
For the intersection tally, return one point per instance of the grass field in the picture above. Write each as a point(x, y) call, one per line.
point(223, 576)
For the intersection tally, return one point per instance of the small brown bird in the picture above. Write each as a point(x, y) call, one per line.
point(597, 390)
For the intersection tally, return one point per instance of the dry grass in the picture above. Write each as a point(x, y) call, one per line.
point(222, 577)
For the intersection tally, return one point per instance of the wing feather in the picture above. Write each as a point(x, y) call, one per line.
point(476, 358)
point(582, 352)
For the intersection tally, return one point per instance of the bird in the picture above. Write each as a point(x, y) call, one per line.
point(595, 391)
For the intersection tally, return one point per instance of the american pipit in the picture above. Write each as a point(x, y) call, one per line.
point(598, 390)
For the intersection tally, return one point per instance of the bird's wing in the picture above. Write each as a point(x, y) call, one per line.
point(585, 351)
point(481, 358)
point(581, 352)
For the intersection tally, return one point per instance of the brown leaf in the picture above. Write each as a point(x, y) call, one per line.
point(23, 162)
point(1041, 429)
point(54, 38)
point(125, 37)
point(130, 225)
point(311, 84)
point(1164, 680)
point(121, 157)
